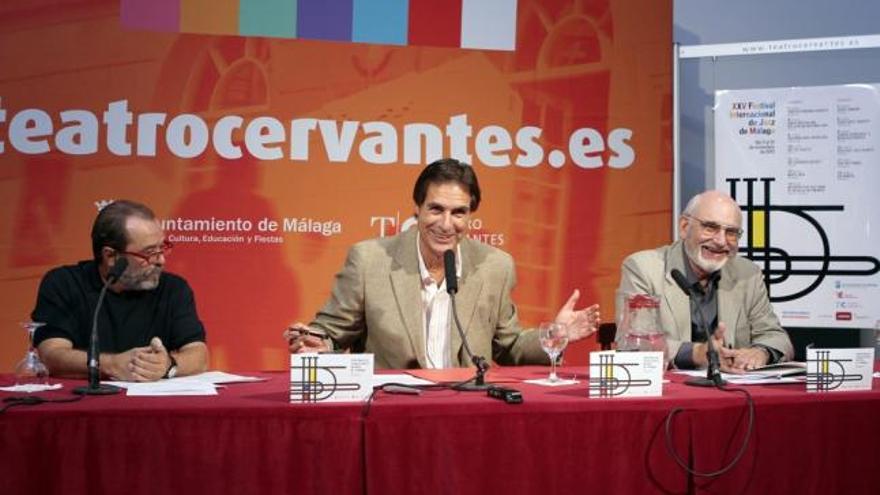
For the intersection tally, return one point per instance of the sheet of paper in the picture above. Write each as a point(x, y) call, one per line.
point(761, 379)
point(174, 386)
point(221, 377)
point(186, 383)
point(455, 375)
point(545, 382)
point(170, 388)
point(788, 368)
point(32, 387)
point(750, 378)
point(402, 379)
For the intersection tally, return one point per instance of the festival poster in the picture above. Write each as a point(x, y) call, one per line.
point(802, 164)
point(270, 136)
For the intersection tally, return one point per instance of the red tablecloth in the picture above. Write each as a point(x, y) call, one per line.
point(249, 439)
point(561, 441)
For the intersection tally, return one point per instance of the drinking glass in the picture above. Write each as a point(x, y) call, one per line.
point(553, 337)
point(30, 370)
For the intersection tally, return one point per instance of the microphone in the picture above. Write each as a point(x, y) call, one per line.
point(681, 280)
point(451, 273)
point(117, 271)
point(479, 380)
point(713, 373)
point(93, 357)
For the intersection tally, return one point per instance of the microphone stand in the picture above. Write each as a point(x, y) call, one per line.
point(93, 357)
point(713, 371)
point(479, 380)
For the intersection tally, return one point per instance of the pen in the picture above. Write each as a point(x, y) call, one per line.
point(304, 331)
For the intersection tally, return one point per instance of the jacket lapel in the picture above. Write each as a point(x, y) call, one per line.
point(727, 306)
point(679, 304)
point(406, 285)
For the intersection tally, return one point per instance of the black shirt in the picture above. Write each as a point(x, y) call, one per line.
point(66, 303)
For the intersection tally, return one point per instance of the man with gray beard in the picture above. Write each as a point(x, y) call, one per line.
point(148, 327)
point(730, 295)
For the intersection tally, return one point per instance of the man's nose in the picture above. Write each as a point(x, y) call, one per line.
point(447, 222)
point(720, 236)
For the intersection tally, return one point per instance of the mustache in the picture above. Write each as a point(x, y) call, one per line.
point(141, 275)
point(716, 247)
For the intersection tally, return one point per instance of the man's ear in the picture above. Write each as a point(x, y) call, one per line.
point(683, 223)
point(108, 255)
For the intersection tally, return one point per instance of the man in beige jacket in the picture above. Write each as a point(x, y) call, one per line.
point(390, 297)
point(730, 292)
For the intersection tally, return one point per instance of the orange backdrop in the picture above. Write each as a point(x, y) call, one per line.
point(586, 69)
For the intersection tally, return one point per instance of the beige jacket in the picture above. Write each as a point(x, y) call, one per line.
point(375, 305)
point(743, 303)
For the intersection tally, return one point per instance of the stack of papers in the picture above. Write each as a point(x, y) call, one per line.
point(779, 370)
point(201, 384)
point(789, 372)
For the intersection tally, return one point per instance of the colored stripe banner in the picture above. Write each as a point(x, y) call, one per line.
point(472, 24)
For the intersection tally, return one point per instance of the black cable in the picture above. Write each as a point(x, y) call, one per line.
point(32, 400)
point(433, 386)
point(671, 449)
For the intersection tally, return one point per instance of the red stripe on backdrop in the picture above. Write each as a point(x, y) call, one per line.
point(435, 22)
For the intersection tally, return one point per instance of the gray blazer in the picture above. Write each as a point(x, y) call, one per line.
point(376, 305)
point(743, 303)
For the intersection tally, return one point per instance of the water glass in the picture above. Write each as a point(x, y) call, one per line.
point(553, 338)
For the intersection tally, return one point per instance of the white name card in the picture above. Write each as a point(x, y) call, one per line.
point(838, 370)
point(626, 374)
point(330, 377)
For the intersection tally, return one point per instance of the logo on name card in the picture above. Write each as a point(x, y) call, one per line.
point(622, 374)
point(833, 370)
point(330, 377)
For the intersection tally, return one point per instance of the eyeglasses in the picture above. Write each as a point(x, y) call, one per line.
point(711, 229)
point(152, 255)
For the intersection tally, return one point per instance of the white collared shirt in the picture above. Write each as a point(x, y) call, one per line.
point(436, 313)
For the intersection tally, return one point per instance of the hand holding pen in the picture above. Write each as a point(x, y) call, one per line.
point(301, 339)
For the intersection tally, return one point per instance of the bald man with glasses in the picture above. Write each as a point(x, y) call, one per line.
point(729, 294)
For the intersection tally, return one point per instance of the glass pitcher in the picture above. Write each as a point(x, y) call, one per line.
point(640, 326)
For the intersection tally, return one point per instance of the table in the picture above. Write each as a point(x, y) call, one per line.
point(249, 439)
point(560, 441)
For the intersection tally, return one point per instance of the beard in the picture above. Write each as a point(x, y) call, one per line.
point(146, 279)
point(695, 253)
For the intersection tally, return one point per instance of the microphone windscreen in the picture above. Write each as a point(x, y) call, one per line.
point(449, 265)
point(118, 269)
